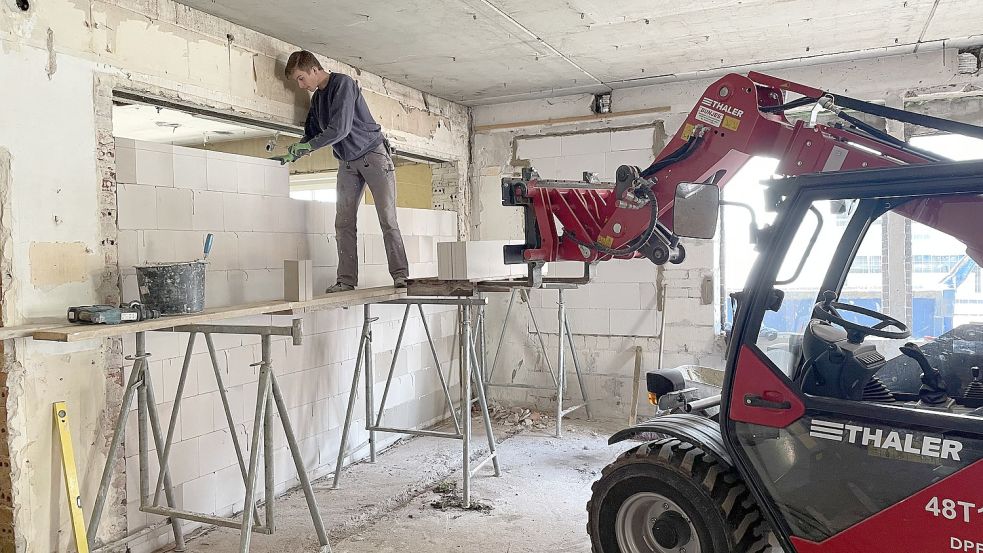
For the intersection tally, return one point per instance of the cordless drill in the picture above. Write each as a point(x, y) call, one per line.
point(110, 315)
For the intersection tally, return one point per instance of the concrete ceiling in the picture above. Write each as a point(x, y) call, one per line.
point(485, 51)
point(155, 124)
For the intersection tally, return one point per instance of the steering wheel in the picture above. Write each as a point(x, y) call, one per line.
point(829, 310)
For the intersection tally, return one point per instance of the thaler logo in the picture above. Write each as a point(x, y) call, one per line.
point(929, 446)
point(710, 102)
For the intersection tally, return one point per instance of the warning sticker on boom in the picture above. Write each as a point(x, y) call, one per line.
point(709, 116)
point(731, 123)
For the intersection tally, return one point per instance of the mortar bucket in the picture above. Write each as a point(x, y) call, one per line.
point(173, 288)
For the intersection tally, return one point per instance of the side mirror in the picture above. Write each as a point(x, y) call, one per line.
point(695, 211)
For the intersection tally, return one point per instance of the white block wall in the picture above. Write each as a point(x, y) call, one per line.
point(169, 198)
point(602, 152)
point(609, 317)
point(616, 312)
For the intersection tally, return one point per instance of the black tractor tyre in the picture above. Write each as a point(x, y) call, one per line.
point(711, 495)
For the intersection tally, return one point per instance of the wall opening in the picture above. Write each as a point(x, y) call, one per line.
point(422, 182)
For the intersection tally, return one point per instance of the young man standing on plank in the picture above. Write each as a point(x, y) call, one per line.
point(340, 118)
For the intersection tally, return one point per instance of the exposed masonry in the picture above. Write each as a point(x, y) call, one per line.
point(109, 288)
point(446, 182)
point(156, 48)
point(7, 534)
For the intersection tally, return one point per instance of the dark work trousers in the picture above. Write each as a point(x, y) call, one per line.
point(376, 170)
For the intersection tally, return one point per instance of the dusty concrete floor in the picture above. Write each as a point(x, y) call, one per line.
point(538, 504)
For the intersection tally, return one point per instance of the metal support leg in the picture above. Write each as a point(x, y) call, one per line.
point(142, 443)
point(223, 393)
point(151, 407)
point(263, 391)
point(136, 373)
point(576, 366)
point(466, 401)
point(352, 397)
point(305, 482)
point(501, 336)
point(482, 346)
point(369, 386)
point(392, 368)
point(486, 418)
point(561, 313)
point(268, 464)
point(542, 344)
point(175, 410)
point(440, 373)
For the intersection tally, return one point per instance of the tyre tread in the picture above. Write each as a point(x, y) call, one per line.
point(749, 530)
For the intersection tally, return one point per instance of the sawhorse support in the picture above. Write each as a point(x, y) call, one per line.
point(559, 377)
point(470, 372)
point(268, 397)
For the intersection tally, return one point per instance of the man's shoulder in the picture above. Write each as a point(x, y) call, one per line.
point(341, 79)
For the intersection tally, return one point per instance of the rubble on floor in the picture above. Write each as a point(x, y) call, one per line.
point(519, 417)
point(450, 498)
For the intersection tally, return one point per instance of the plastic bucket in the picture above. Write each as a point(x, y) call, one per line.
point(173, 288)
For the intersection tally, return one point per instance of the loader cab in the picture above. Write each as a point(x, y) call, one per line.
point(868, 409)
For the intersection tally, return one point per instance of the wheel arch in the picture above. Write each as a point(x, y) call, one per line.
point(699, 431)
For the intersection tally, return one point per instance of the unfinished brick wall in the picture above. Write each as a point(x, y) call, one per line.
point(446, 181)
point(7, 543)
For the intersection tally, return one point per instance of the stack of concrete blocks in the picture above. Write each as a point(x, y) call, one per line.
point(169, 198)
point(618, 310)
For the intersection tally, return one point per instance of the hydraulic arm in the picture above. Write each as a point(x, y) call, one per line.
point(738, 117)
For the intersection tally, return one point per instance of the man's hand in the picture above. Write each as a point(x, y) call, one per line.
point(299, 150)
point(284, 159)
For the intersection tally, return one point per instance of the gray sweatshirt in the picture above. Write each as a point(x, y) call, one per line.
point(339, 117)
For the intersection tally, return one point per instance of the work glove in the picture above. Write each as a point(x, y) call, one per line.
point(284, 159)
point(299, 150)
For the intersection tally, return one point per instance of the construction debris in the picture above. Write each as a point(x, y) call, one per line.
point(519, 417)
point(451, 499)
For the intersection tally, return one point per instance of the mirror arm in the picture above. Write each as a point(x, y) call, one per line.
point(754, 220)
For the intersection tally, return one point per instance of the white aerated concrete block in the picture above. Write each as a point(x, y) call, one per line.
point(209, 211)
point(634, 322)
point(250, 178)
point(637, 158)
point(190, 171)
point(635, 139)
point(155, 168)
point(175, 208)
point(474, 260)
point(221, 172)
point(136, 207)
point(277, 180)
point(298, 280)
point(536, 148)
point(622, 295)
point(126, 162)
point(586, 143)
point(572, 167)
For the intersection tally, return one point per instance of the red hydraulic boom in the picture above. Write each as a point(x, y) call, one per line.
point(738, 117)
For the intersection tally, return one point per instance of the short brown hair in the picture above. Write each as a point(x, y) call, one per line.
point(302, 60)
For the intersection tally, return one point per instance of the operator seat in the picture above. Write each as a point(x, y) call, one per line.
point(837, 367)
